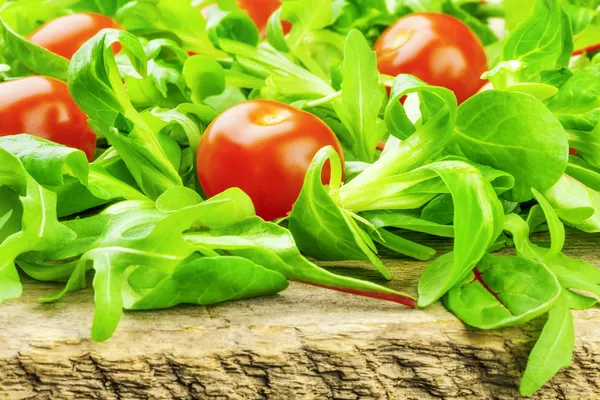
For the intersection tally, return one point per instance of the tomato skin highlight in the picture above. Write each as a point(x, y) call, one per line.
point(437, 48)
point(264, 148)
point(43, 107)
point(260, 11)
point(65, 35)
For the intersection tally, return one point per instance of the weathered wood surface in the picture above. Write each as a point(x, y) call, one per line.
point(306, 343)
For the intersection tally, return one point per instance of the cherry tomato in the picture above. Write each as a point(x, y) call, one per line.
point(264, 148)
point(437, 48)
point(43, 107)
point(65, 35)
point(261, 10)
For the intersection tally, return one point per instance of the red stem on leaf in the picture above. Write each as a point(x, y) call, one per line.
point(395, 298)
point(479, 279)
point(588, 49)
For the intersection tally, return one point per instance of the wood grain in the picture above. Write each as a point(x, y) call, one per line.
point(306, 343)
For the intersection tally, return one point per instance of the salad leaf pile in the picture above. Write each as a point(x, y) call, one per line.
point(520, 158)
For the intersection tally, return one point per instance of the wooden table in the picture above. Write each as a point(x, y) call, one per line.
point(306, 343)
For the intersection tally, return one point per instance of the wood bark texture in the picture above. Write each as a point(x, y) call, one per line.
point(306, 343)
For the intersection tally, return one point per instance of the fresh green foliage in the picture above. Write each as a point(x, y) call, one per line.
point(164, 84)
point(273, 247)
point(232, 24)
point(539, 43)
point(78, 185)
point(542, 41)
point(28, 221)
point(407, 220)
point(515, 133)
point(504, 291)
point(576, 204)
point(579, 94)
point(207, 280)
point(553, 350)
point(96, 86)
point(320, 227)
point(35, 58)
point(362, 98)
point(167, 18)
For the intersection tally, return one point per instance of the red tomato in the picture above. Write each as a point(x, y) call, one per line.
point(437, 48)
point(65, 35)
point(264, 148)
point(43, 107)
point(261, 10)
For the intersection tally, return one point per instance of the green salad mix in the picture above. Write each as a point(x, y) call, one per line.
point(207, 151)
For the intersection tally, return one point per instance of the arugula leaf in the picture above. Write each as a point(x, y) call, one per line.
point(587, 145)
point(504, 291)
point(337, 238)
point(25, 15)
point(66, 172)
point(96, 86)
point(435, 101)
point(516, 11)
point(576, 274)
point(203, 281)
point(47, 162)
point(481, 29)
point(542, 41)
point(285, 80)
point(515, 133)
point(579, 302)
point(164, 84)
point(204, 76)
point(38, 229)
point(579, 94)
point(169, 17)
point(35, 58)
point(273, 247)
point(185, 125)
point(232, 24)
point(403, 246)
point(584, 172)
point(576, 204)
point(441, 208)
point(306, 16)
point(362, 98)
point(421, 145)
point(572, 274)
point(478, 220)
point(150, 238)
point(407, 220)
point(552, 351)
point(478, 216)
